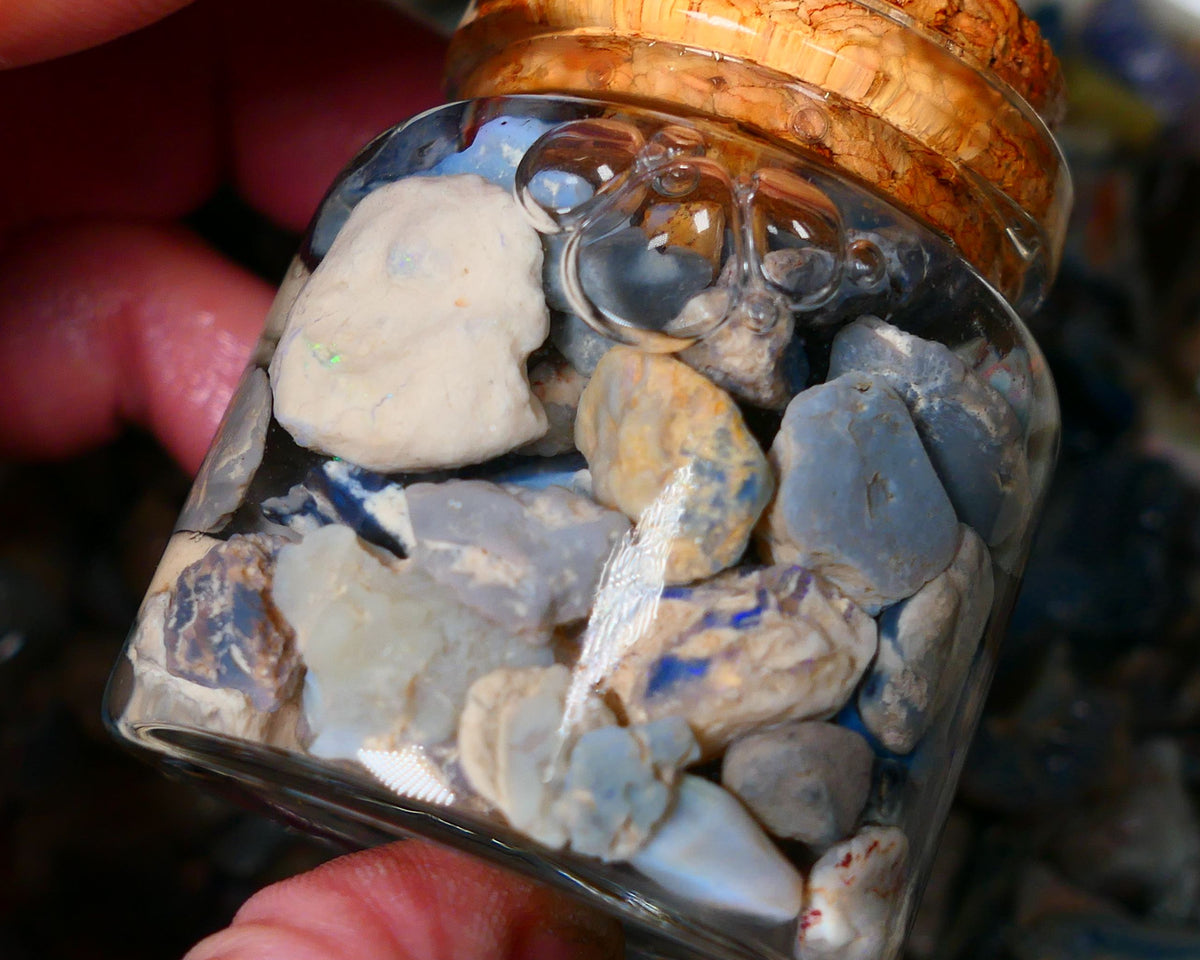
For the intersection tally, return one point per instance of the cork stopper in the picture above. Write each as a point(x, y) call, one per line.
point(942, 106)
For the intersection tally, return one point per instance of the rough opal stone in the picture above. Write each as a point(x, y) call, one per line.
point(164, 696)
point(513, 744)
point(522, 558)
point(224, 631)
point(620, 784)
point(970, 431)
point(925, 648)
point(389, 652)
point(852, 894)
point(233, 459)
point(805, 781)
point(496, 150)
point(406, 349)
point(577, 341)
point(558, 386)
point(338, 492)
point(745, 650)
point(646, 420)
point(859, 501)
point(753, 354)
point(710, 851)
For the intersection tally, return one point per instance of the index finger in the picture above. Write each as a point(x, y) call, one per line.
point(33, 30)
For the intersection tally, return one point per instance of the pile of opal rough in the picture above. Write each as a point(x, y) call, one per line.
point(684, 612)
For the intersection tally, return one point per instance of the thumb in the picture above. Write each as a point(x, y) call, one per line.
point(411, 901)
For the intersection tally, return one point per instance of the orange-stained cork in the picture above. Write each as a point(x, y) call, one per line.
point(941, 105)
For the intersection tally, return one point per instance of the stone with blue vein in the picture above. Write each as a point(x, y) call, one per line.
point(747, 649)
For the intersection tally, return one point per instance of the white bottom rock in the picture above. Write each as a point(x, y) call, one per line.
point(711, 851)
point(852, 896)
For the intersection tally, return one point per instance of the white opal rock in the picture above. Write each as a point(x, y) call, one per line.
point(232, 460)
point(742, 651)
point(406, 349)
point(709, 850)
point(852, 894)
point(390, 653)
point(521, 557)
point(513, 744)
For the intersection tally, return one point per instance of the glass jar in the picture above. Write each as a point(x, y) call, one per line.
point(637, 467)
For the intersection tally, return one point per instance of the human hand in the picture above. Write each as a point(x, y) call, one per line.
point(411, 901)
point(109, 311)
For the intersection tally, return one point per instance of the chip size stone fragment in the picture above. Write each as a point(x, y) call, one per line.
point(859, 502)
point(925, 648)
point(577, 341)
point(233, 459)
point(558, 386)
point(406, 349)
point(620, 784)
point(496, 150)
point(223, 629)
point(514, 746)
point(159, 695)
point(971, 433)
point(805, 781)
point(643, 419)
point(852, 895)
point(745, 650)
point(711, 851)
point(339, 492)
point(389, 651)
point(753, 354)
point(523, 558)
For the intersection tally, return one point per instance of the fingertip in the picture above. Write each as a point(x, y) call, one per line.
point(310, 85)
point(104, 323)
point(418, 900)
point(43, 29)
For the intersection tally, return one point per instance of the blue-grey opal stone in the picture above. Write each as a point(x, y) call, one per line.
point(578, 342)
point(619, 785)
point(338, 492)
point(224, 631)
point(496, 150)
point(926, 644)
point(858, 501)
point(971, 433)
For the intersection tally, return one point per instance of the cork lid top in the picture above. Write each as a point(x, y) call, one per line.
point(943, 106)
point(996, 35)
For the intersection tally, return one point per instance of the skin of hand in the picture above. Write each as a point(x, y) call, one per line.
point(121, 116)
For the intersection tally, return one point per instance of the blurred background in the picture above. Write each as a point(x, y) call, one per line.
point(1075, 835)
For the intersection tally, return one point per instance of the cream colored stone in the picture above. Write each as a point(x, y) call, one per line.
point(183, 549)
point(389, 651)
point(514, 746)
point(406, 349)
